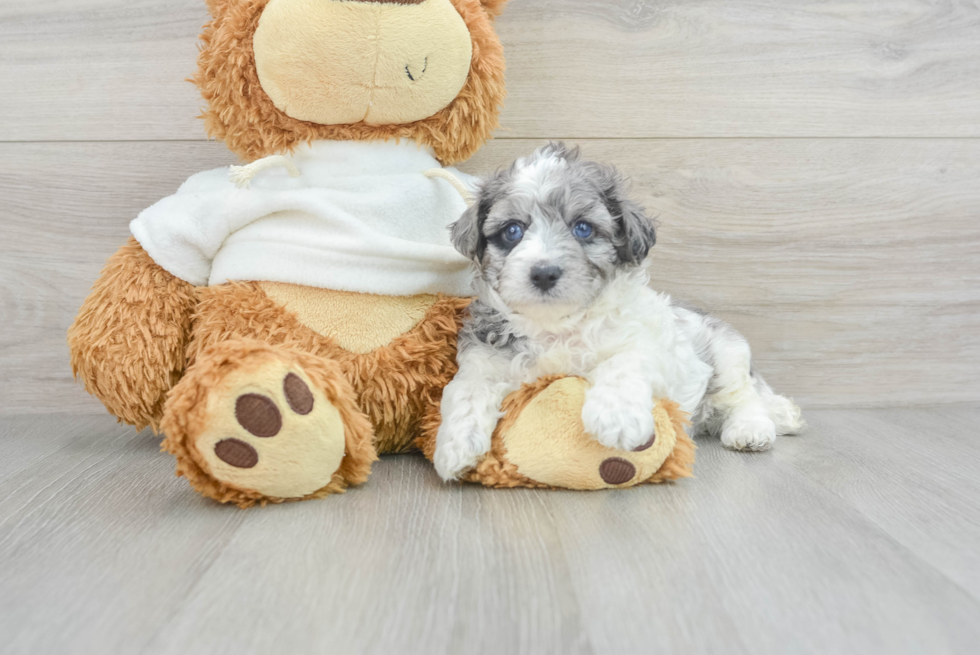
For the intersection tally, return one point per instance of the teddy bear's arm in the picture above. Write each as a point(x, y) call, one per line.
point(128, 341)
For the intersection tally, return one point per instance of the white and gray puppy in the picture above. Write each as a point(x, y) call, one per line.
point(558, 248)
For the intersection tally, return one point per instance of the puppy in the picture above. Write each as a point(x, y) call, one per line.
point(558, 249)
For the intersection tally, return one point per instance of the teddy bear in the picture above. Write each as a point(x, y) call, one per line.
point(285, 321)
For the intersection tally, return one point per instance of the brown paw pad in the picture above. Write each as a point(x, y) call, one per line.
point(616, 470)
point(258, 414)
point(236, 453)
point(647, 446)
point(298, 395)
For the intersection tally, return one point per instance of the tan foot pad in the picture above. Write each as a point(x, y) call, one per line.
point(270, 433)
point(252, 423)
point(541, 442)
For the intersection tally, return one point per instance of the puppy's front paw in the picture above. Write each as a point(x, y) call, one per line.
point(748, 433)
point(617, 420)
point(458, 451)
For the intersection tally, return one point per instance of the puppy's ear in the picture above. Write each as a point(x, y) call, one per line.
point(636, 232)
point(467, 232)
point(639, 232)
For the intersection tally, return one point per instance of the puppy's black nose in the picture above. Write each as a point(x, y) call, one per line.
point(545, 277)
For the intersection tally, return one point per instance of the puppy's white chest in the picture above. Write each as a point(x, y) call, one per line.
point(566, 357)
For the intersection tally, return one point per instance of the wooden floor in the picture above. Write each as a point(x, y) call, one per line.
point(860, 536)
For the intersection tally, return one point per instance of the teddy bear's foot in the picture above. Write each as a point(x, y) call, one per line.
point(253, 423)
point(541, 441)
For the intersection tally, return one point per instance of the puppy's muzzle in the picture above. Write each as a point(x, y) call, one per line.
point(545, 277)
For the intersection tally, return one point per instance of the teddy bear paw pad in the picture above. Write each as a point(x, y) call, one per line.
point(271, 432)
point(258, 414)
point(616, 470)
point(647, 446)
point(236, 453)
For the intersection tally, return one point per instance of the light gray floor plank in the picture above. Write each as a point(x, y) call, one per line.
point(851, 265)
point(804, 549)
point(99, 542)
point(912, 472)
point(752, 557)
point(115, 69)
point(402, 565)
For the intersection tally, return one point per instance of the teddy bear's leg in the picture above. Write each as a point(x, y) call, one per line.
point(251, 422)
point(128, 341)
point(541, 442)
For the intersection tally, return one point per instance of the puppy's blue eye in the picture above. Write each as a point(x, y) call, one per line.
point(513, 233)
point(582, 230)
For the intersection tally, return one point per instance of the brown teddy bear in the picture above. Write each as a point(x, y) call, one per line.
point(285, 321)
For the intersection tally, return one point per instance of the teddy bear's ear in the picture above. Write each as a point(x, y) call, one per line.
point(494, 7)
point(216, 7)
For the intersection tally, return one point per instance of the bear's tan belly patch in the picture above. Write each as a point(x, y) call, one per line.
point(359, 322)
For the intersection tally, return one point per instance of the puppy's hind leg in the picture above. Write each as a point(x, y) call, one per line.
point(783, 411)
point(738, 398)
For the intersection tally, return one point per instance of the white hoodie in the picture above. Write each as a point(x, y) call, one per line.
point(361, 216)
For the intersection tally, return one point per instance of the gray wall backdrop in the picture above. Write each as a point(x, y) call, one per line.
point(815, 167)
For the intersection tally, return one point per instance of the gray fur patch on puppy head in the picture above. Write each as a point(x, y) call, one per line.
point(553, 211)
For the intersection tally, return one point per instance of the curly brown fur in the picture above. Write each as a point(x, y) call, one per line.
point(187, 412)
point(398, 382)
point(680, 462)
point(394, 384)
point(127, 342)
point(242, 115)
point(494, 7)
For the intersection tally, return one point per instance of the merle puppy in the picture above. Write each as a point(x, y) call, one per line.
point(558, 249)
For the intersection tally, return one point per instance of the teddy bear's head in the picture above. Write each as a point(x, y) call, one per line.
point(277, 73)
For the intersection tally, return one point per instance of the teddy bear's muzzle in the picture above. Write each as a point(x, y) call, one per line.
point(380, 62)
